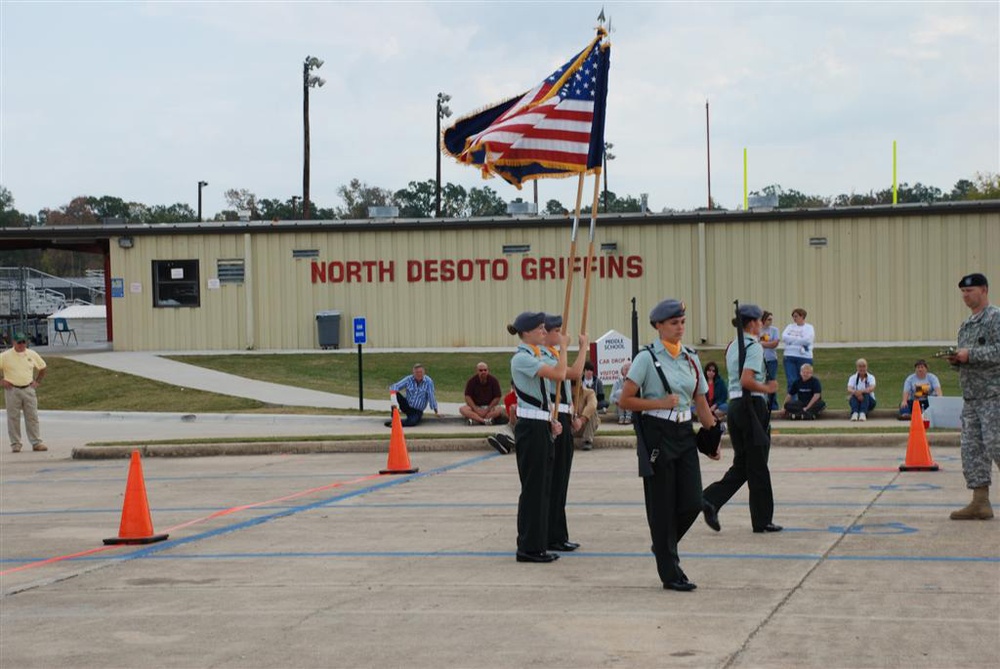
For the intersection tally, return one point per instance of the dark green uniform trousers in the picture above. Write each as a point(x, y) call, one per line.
point(535, 455)
point(751, 447)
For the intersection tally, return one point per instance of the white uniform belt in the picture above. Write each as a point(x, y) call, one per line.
point(672, 415)
point(533, 414)
point(566, 408)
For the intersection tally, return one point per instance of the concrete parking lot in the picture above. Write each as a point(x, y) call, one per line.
point(317, 561)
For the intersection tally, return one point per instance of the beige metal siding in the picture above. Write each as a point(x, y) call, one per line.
point(878, 279)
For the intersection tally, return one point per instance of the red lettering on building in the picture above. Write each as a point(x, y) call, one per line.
point(446, 270)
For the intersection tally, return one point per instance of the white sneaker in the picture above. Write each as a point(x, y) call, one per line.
point(862, 417)
point(854, 416)
point(471, 422)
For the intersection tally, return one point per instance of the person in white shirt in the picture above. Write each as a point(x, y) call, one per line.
point(861, 391)
point(798, 339)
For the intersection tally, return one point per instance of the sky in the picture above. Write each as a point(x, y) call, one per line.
point(141, 100)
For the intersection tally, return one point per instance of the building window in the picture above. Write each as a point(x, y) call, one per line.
point(175, 283)
point(230, 271)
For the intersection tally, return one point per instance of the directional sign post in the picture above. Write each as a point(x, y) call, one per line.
point(360, 337)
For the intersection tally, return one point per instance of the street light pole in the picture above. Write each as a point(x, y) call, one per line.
point(308, 81)
point(442, 112)
point(201, 184)
point(607, 156)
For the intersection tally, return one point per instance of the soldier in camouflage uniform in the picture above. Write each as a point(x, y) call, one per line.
point(978, 363)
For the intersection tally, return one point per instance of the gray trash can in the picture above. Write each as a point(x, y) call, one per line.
point(328, 328)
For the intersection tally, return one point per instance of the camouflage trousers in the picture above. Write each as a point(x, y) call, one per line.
point(980, 440)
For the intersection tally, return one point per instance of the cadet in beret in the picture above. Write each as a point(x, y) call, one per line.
point(978, 363)
point(748, 420)
point(563, 463)
point(668, 456)
point(534, 433)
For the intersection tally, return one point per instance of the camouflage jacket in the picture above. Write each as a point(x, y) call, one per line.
point(980, 333)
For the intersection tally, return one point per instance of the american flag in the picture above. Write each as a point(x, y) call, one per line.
point(555, 129)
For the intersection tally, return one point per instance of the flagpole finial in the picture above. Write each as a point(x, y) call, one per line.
point(600, 17)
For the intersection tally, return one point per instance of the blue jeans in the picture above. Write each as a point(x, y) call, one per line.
point(865, 405)
point(792, 367)
point(772, 373)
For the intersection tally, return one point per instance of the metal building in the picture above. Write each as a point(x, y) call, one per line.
point(864, 274)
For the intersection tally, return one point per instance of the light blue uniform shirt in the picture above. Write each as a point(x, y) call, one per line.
point(680, 372)
point(754, 361)
point(524, 368)
point(552, 359)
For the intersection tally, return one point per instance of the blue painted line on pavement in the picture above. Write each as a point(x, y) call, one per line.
point(579, 555)
point(481, 505)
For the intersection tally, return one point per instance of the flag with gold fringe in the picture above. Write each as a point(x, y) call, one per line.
point(554, 130)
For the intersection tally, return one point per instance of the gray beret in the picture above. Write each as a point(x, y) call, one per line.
point(666, 310)
point(751, 311)
point(976, 279)
point(528, 321)
point(553, 321)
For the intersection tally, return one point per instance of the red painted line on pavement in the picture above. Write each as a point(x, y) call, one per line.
point(217, 514)
point(839, 469)
point(52, 560)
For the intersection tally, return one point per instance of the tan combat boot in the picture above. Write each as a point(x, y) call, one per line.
point(978, 509)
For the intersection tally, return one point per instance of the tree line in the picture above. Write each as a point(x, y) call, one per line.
point(418, 200)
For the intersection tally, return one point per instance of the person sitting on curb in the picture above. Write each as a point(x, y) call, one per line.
point(591, 381)
point(717, 395)
point(414, 393)
point(482, 399)
point(861, 391)
point(804, 402)
point(917, 388)
point(586, 421)
point(624, 417)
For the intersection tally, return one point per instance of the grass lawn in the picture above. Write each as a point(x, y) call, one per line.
point(74, 386)
point(338, 373)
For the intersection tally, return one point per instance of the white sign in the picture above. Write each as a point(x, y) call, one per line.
point(176, 272)
point(612, 350)
point(213, 284)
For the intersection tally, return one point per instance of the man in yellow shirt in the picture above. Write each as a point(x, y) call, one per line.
point(22, 371)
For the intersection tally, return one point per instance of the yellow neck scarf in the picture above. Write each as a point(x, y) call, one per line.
point(673, 349)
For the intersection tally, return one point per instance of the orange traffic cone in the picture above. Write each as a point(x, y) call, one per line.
point(918, 452)
point(137, 525)
point(399, 459)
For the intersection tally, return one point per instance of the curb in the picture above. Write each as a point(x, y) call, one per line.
point(291, 447)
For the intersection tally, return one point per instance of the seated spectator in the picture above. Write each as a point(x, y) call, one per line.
point(414, 393)
point(805, 402)
point(586, 421)
point(861, 391)
point(718, 394)
point(591, 381)
point(918, 387)
point(483, 404)
point(624, 417)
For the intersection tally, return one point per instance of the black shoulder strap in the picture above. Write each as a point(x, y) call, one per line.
point(543, 404)
point(659, 369)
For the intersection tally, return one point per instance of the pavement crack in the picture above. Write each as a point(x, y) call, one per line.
point(731, 660)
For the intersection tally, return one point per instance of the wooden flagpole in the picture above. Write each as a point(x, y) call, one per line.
point(569, 284)
point(587, 270)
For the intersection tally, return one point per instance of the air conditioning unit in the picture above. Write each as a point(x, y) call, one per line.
point(522, 208)
point(383, 212)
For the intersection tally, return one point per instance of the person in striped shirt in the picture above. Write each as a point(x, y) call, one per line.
point(414, 392)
